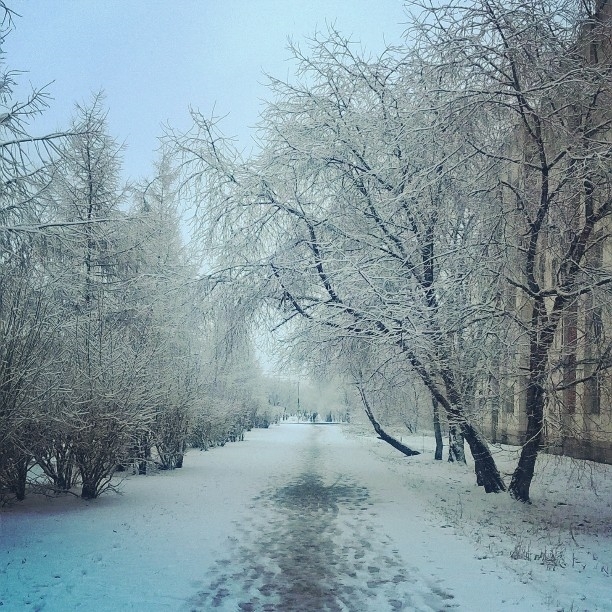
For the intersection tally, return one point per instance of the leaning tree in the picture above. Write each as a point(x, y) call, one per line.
point(353, 219)
point(538, 74)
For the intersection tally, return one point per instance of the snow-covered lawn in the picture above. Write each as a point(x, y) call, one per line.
point(399, 533)
point(559, 546)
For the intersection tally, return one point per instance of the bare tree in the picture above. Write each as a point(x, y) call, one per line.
point(539, 72)
point(25, 313)
point(24, 359)
point(346, 220)
point(88, 265)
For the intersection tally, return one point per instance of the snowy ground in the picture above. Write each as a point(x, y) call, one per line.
point(315, 517)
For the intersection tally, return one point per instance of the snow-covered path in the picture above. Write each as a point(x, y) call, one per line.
point(297, 517)
point(311, 542)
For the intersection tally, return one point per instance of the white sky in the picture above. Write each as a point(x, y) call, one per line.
point(155, 58)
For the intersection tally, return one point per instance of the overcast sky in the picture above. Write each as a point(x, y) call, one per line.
point(155, 58)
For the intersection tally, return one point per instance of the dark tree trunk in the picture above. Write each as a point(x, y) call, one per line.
point(381, 432)
point(89, 490)
point(523, 474)
point(64, 464)
point(144, 452)
point(21, 473)
point(437, 430)
point(542, 332)
point(456, 447)
point(65, 478)
point(57, 463)
point(456, 443)
point(394, 442)
point(180, 455)
point(495, 425)
point(141, 454)
point(487, 474)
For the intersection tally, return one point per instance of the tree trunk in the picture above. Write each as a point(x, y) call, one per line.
point(65, 477)
point(144, 455)
point(89, 490)
point(487, 474)
point(21, 473)
point(523, 474)
point(65, 469)
point(437, 430)
point(456, 447)
point(542, 331)
point(381, 432)
point(180, 455)
point(394, 442)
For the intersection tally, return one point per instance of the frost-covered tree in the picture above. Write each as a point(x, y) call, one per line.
point(98, 363)
point(161, 306)
point(25, 357)
point(538, 75)
point(347, 222)
point(25, 320)
point(232, 392)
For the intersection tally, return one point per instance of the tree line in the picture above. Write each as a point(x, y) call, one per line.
point(112, 356)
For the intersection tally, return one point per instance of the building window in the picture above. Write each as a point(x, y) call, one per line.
point(508, 399)
point(592, 395)
point(570, 338)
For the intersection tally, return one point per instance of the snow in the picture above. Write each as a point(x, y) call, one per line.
point(309, 517)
